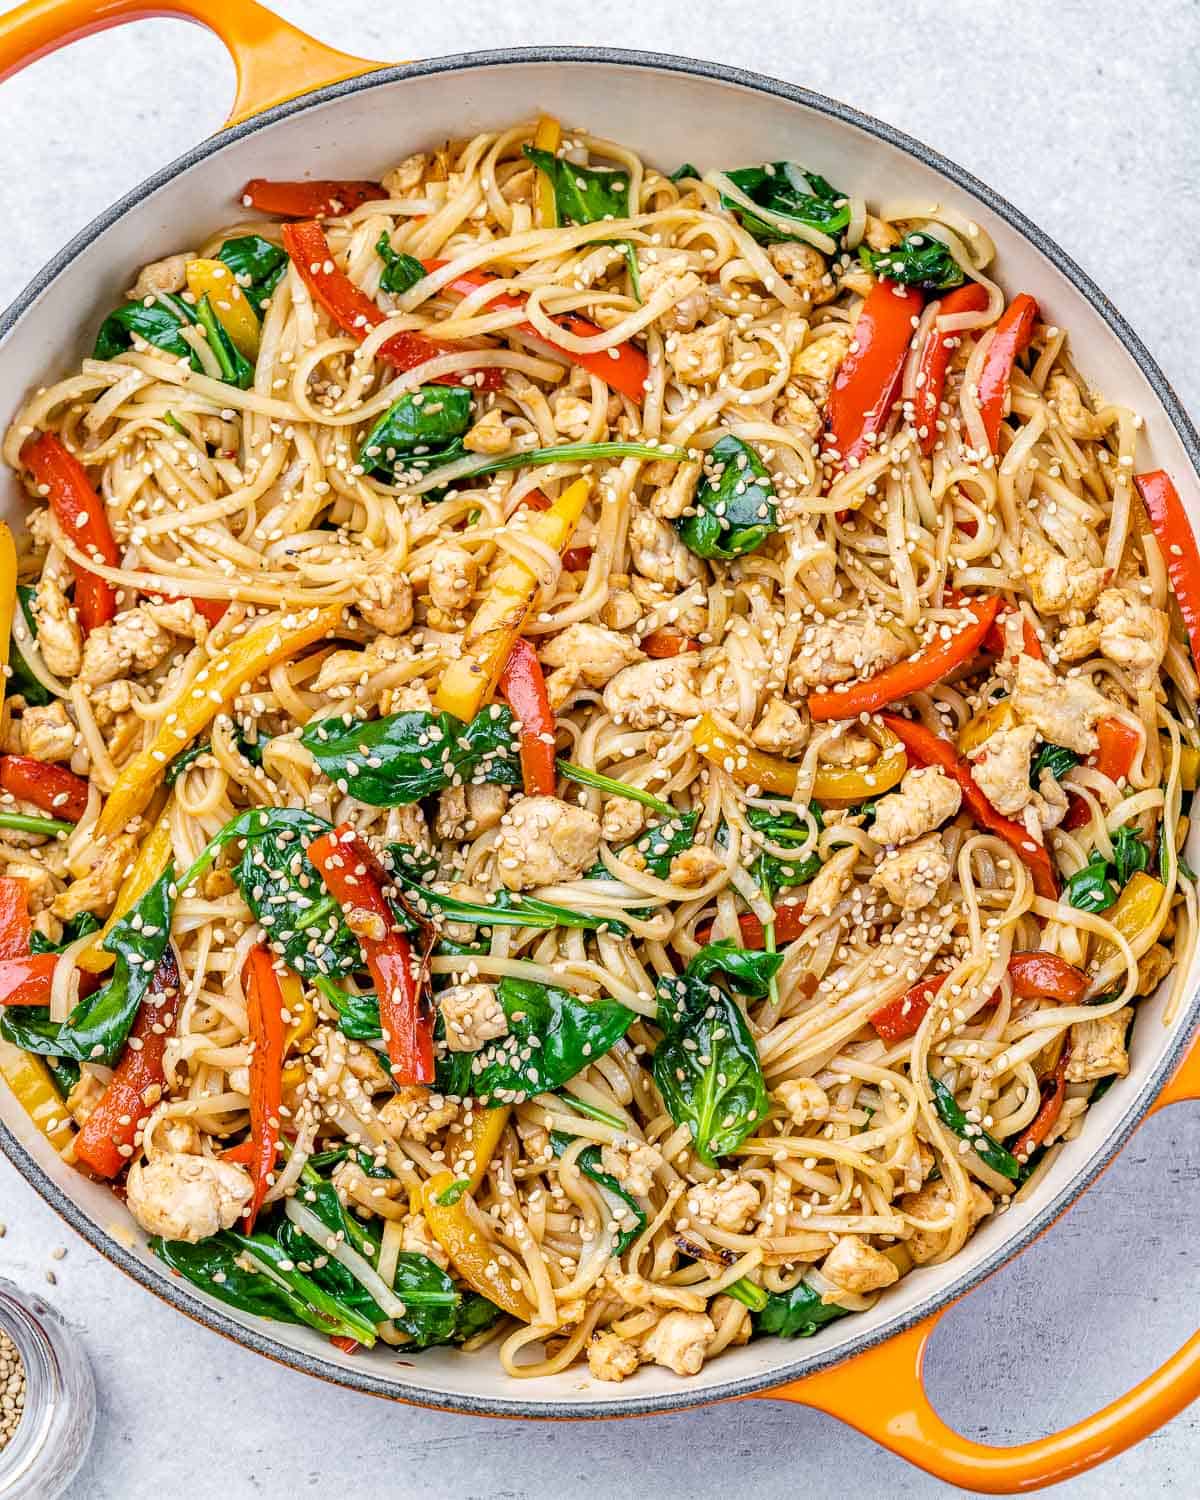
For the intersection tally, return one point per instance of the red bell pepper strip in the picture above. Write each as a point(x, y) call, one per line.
point(79, 510)
point(901, 1018)
point(666, 641)
point(242, 1155)
point(26, 980)
point(264, 1013)
point(935, 361)
point(1119, 744)
point(1053, 1091)
point(355, 313)
point(868, 382)
point(1177, 542)
point(1031, 643)
point(789, 924)
point(356, 880)
point(109, 1136)
point(625, 368)
point(1011, 338)
point(321, 198)
point(523, 688)
point(1046, 976)
point(931, 664)
point(16, 929)
point(928, 749)
point(49, 787)
point(344, 1343)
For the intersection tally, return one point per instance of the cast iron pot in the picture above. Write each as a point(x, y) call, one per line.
point(303, 109)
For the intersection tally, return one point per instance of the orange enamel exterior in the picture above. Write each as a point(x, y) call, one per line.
point(879, 1392)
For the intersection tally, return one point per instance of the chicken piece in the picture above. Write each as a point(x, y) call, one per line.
point(489, 435)
point(658, 553)
point(355, 668)
point(472, 1014)
point(59, 638)
point(1098, 1047)
point(544, 841)
point(621, 820)
point(1078, 641)
point(1064, 396)
point(688, 612)
point(138, 640)
point(97, 890)
point(598, 653)
point(110, 704)
point(40, 884)
point(699, 356)
point(1000, 768)
point(1133, 634)
point(728, 1203)
point(364, 1065)
point(842, 650)
point(648, 694)
point(633, 1163)
point(926, 798)
point(671, 500)
point(486, 805)
point(407, 177)
point(610, 1357)
point(679, 1341)
point(694, 867)
point(563, 685)
point(417, 1240)
point(832, 881)
point(167, 275)
point(620, 610)
point(1063, 709)
point(407, 825)
point(910, 876)
point(804, 1099)
point(933, 1202)
point(417, 1112)
point(879, 234)
point(718, 687)
point(803, 268)
point(780, 729)
point(1056, 582)
point(688, 299)
point(1051, 804)
point(388, 602)
point(407, 698)
point(46, 734)
point(639, 1292)
point(816, 364)
point(572, 415)
point(185, 1197)
point(452, 577)
point(1153, 967)
point(845, 748)
point(854, 1266)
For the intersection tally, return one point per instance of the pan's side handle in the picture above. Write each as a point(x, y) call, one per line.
point(274, 60)
point(881, 1393)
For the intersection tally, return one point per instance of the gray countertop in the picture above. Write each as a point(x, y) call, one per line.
point(1085, 115)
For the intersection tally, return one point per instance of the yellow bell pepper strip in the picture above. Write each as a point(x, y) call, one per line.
point(299, 1037)
point(473, 1257)
point(29, 1079)
point(261, 648)
point(1189, 764)
point(1139, 906)
point(843, 784)
point(726, 746)
point(151, 861)
point(547, 137)
point(508, 598)
point(214, 279)
point(984, 725)
point(8, 600)
point(471, 1154)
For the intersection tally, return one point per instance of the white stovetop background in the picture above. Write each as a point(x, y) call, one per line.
point(1085, 115)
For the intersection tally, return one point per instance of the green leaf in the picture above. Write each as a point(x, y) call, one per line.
point(161, 325)
point(418, 431)
point(552, 1035)
point(505, 909)
point(1129, 853)
point(258, 267)
point(791, 192)
point(747, 970)
point(684, 170)
point(624, 1210)
point(583, 777)
point(1056, 759)
point(358, 1015)
point(986, 1148)
point(1091, 888)
point(797, 1313)
point(64, 1074)
point(73, 930)
point(918, 260)
point(236, 369)
point(782, 826)
point(707, 1068)
point(734, 508)
point(21, 678)
point(400, 271)
point(406, 757)
point(185, 758)
point(583, 195)
point(749, 1294)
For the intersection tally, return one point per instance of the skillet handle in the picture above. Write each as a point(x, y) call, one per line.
point(882, 1395)
point(274, 60)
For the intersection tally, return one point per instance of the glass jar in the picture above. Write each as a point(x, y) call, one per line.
point(52, 1438)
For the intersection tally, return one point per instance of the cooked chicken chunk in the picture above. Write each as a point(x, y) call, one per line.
point(621, 820)
point(816, 364)
point(841, 650)
point(832, 881)
point(418, 1112)
point(933, 1201)
point(804, 1099)
point(729, 1203)
point(854, 1266)
point(597, 652)
point(1153, 966)
point(406, 177)
point(167, 275)
point(800, 413)
point(1078, 641)
point(46, 734)
point(417, 1240)
point(1098, 1047)
point(1065, 398)
point(1000, 768)
point(59, 638)
point(452, 577)
point(659, 554)
point(356, 668)
point(139, 640)
point(472, 1015)
point(1133, 634)
point(543, 841)
point(926, 798)
point(694, 867)
point(633, 1163)
point(780, 729)
point(910, 876)
point(803, 268)
point(610, 1357)
point(621, 609)
point(1063, 709)
point(186, 1197)
point(386, 602)
point(97, 890)
point(679, 1341)
point(646, 695)
point(672, 499)
point(1056, 582)
point(688, 296)
point(699, 356)
point(489, 435)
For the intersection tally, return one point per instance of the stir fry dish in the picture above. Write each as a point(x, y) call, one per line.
point(594, 763)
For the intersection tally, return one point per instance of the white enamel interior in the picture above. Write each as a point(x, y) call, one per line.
point(669, 117)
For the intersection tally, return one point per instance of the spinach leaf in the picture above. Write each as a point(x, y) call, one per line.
point(405, 757)
point(235, 368)
point(419, 431)
point(1056, 759)
point(161, 325)
point(797, 1313)
point(185, 758)
point(475, 1315)
point(358, 1015)
point(1129, 853)
point(400, 271)
point(583, 195)
point(1091, 888)
point(783, 826)
point(628, 1217)
point(747, 970)
point(986, 1148)
point(685, 169)
point(918, 260)
point(64, 1074)
point(72, 931)
point(706, 1066)
point(734, 507)
point(21, 678)
point(791, 192)
point(258, 267)
point(552, 1035)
